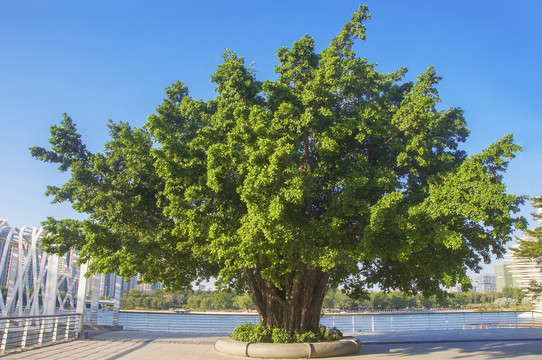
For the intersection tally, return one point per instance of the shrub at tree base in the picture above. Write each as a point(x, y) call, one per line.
point(261, 334)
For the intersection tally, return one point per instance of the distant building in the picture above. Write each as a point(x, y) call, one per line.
point(132, 283)
point(157, 286)
point(503, 277)
point(67, 270)
point(524, 271)
point(456, 289)
point(107, 285)
point(484, 283)
point(144, 287)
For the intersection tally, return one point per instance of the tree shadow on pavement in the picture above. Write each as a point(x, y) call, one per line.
point(130, 350)
point(457, 350)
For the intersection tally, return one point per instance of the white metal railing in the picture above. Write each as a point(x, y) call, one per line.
point(434, 321)
point(373, 322)
point(20, 332)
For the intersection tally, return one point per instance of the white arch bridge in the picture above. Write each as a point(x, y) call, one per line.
point(36, 283)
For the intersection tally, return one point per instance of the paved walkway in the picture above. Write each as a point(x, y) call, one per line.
point(468, 344)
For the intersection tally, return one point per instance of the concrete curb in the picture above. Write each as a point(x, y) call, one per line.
point(348, 345)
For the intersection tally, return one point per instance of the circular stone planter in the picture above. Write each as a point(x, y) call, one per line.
point(345, 346)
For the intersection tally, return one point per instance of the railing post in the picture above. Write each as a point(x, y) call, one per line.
point(410, 321)
point(446, 321)
point(353, 324)
point(79, 325)
point(55, 327)
point(116, 302)
point(391, 320)
point(95, 298)
point(42, 329)
point(333, 321)
point(25, 332)
point(532, 317)
point(4, 337)
point(373, 323)
point(67, 334)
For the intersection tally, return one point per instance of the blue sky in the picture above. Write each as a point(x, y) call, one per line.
point(112, 59)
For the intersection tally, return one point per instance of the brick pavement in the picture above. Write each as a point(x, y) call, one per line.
point(525, 344)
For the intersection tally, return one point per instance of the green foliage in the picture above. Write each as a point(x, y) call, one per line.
point(526, 302)
point(244, 301)
point(513, 293)
point(398, 300)
point(333, 167)
point(206, 304)
point(506, 302)
point(198, 300)
point(260, 334)
point(280, 336)
point(223, 300)
point(194, 302)
point(335, 300)
point(252, 333)
point(135, 299)
point(380, 301)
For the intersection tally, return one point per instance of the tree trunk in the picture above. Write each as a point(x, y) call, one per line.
point(297, 306)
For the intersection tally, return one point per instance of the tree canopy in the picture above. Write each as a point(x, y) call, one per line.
point(332, 174)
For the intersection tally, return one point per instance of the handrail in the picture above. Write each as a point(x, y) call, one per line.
point(404, 313)
point(344, 314)
point(171, 322)
point(36, 316)
point(20, 332)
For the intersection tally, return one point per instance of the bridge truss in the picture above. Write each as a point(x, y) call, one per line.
point(36, 283)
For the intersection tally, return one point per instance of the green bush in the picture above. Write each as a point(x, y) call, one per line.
point(260, 334)
point(281, 336)
point(252, 333)
point(505, 302)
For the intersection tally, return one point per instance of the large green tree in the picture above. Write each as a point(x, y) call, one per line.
point(333, 174)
